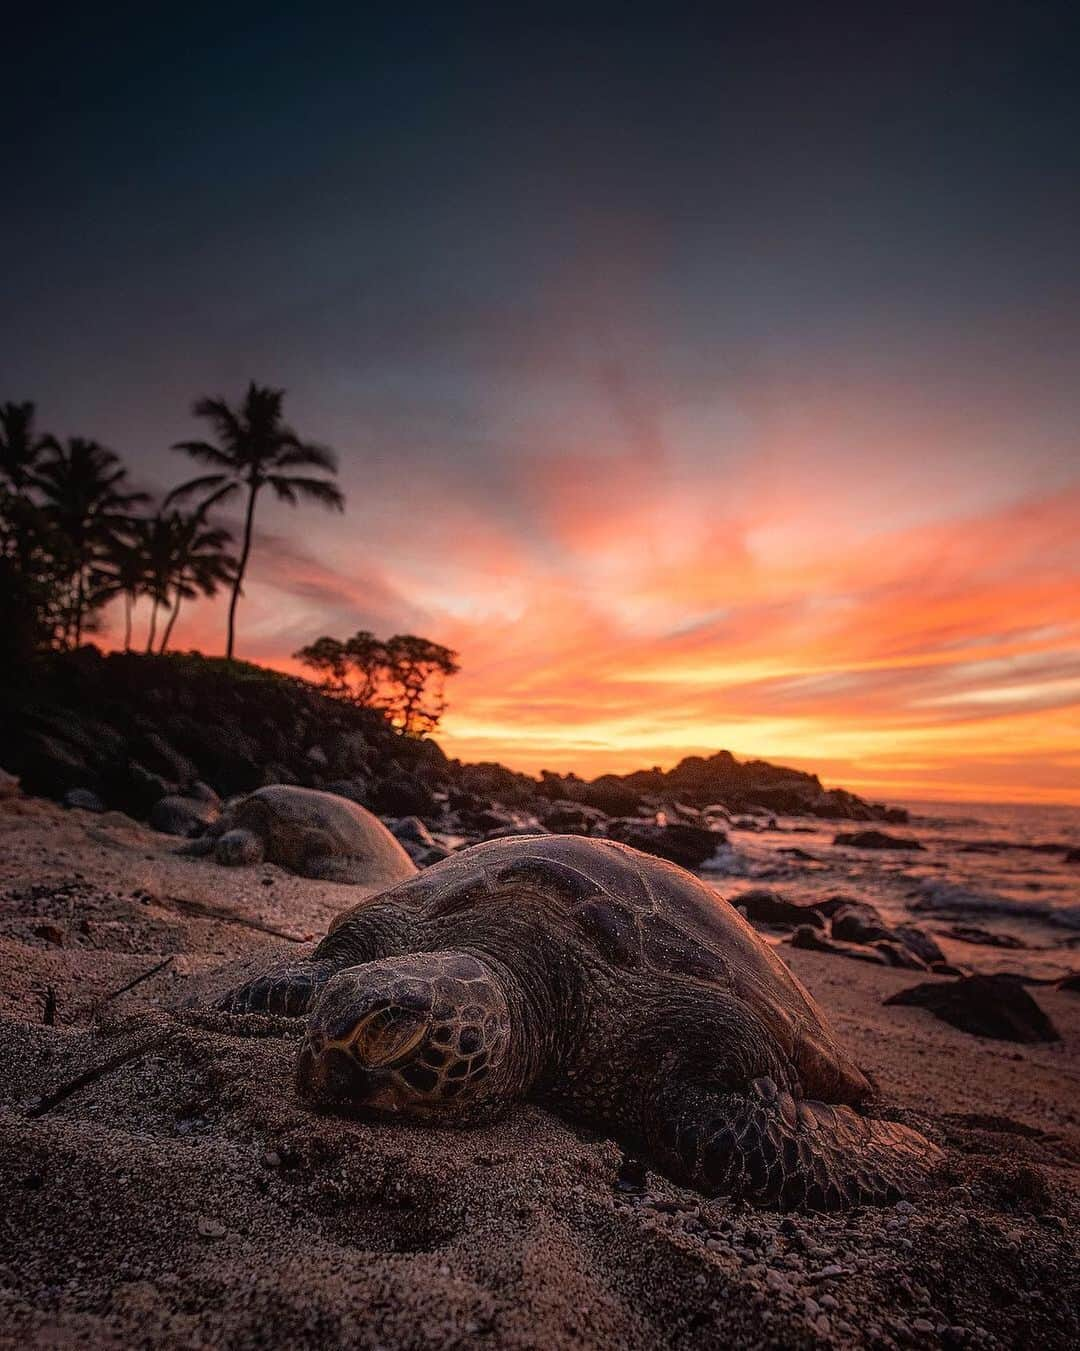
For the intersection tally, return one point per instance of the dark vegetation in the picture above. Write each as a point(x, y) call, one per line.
point(75, 534)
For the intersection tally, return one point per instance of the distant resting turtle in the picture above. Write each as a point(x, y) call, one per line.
point(315, 834)
point(608, 984)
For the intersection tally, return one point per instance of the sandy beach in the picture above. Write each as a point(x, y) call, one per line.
point(163, 1187)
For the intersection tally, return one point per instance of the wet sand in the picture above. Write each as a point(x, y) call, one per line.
point(161, 1186)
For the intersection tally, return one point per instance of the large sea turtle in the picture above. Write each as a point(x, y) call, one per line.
point(308, 832)
point(612, 986)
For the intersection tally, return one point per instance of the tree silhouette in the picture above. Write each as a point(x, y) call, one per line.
point(405, 676)
point(21, 446)
point(255, 449)
point(199, 562)
point(85, 498)
point(418, 671)
point(129, 555)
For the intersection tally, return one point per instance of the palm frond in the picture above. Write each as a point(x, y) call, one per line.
point(206, 453)
point(206, 482)
point(307, 455)
point(290, 487)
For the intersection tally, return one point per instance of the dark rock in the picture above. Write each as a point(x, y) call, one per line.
point(1070, 982)
point(947, 969)
point(424, 858)
point(919, 942)
point(609, 794)
point(182, 816)
point(896, 954)
point(689, 846)
point(132, 788)
point(9, 784)
point(574, 818)
point(411, 830)
point(402, 794)
point(1073, 856)
point(986, 1006)
point(202, 792)
point(971, 933)
point(858, 922)
point(813, 940)
point(793, 851)
point(84, 799)
point(515, 828)
point(484, 819)
point(768, 907)
point(875, 839)
point(357, 789)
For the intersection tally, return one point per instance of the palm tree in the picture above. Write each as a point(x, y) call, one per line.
point(85, 497)
point(200, 562)
point(255, 449)
point(130, 559)
point(21, 446)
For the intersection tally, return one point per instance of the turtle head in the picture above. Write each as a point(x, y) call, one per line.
point(422, 1036)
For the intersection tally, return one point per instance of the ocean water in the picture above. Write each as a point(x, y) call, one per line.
point(996, 867)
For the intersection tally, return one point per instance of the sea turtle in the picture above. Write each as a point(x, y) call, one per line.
point(608, 984)
point(308, 832)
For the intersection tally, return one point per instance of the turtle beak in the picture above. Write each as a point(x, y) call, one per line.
point(329, 1076)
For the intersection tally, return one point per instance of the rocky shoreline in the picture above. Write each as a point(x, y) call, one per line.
point(164, 739)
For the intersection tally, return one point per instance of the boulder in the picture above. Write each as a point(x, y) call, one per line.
point(402, 794)
point(971, 933)
point(986, 1006)
point(84, 799)
point(770, 908)
point(610, 795)
point(688, 846)
point(574, 818)
point(813, 940)
point(875, 839)
point(411, 830)
point(898, 955)
point(919, 942)
point(858, 922)
point(186, 816)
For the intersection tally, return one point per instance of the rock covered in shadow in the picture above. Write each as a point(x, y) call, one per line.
point(858, 922)
point(187, 816)
point(762, 906)
point(689, 846)
point(971, 933)
point(875, 839)
point(987, 1006)
point(813, 940)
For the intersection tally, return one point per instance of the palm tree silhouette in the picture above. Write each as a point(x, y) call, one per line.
point(129, 556)
point(255, 449)
point(84, 494)
point(199, 562)
point(21, 446)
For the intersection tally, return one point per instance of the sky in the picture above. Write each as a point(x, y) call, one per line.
point(707, 378)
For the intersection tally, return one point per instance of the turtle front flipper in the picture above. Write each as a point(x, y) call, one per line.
point(289, 989)
point(765, 1146)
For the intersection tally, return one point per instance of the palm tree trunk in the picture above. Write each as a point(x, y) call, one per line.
point(80, 592)
point(127, 621)
point(153, 627)
point(240, 570)
point(169, 626)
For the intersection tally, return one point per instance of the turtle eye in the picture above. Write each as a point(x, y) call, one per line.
point(388, 1036)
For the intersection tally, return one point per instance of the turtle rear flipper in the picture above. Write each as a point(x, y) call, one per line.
point(288, 990)
point(765, 1146)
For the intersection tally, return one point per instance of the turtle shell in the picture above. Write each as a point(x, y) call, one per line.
point(641, 914)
